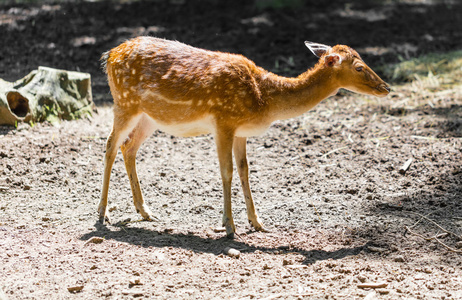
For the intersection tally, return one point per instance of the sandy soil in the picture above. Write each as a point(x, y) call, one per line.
point(328, 185)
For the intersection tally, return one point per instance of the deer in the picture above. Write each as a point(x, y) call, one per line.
point(159, 84)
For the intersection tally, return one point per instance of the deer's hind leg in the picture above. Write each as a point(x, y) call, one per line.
point(123, 125)
point(144, 128)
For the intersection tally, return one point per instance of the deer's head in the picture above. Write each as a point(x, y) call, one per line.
point(350, 71)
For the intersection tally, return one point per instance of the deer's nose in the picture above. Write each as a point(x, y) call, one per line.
point(384, 88)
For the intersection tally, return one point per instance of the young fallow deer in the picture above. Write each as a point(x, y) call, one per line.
point(186, 91)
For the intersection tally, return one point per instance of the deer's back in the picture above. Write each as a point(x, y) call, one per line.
point(177, 83)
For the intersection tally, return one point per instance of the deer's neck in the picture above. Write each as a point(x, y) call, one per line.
point(291, 97)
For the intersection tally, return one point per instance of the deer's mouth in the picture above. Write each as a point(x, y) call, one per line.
point(383, 89)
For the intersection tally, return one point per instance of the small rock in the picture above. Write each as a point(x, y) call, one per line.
point(106, 294)
point(405, 166)
point(352, 191)
point(231, 252)
point(95, 240)
point(383, 291)
point(75, 289)
point(459, 245)
point(376, 249)
point(219, 229)
point(399, 258)
point(268, 144)
point(135, 281)
point(427, 270)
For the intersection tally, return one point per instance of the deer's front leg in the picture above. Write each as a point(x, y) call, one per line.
point(240, 154)
point(224, 140)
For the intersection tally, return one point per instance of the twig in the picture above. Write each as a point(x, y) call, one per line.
point(423, 137)
point(239, 237)
point(433, 238)
point(439, 226)
point(333, 151)
point(316, 211)
point(378, 139)
point(420, 220)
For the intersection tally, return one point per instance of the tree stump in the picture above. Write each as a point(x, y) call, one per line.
point(46, 94)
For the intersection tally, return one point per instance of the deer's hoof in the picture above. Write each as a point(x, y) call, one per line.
point(230, 228)
point(258, 225)
point(104, 219)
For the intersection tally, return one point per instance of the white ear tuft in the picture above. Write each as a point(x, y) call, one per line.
point(317, 49)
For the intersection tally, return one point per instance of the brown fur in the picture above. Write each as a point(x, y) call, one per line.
point(188, 91)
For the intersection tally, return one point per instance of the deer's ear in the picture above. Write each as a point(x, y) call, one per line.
point(333, 60)
point(317, 49)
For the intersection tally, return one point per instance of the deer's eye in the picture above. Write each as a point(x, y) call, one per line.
point(359, 69)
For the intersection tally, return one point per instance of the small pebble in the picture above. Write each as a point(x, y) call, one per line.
point(231, 252)
point(75, 289)
point(376, 249)
point(135, 281)
point(399, 258)
point(383, 291)
point(95, 240)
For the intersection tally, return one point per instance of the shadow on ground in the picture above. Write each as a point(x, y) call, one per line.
point(151, 238)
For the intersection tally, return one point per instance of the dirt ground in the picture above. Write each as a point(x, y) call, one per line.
point(328, 184)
